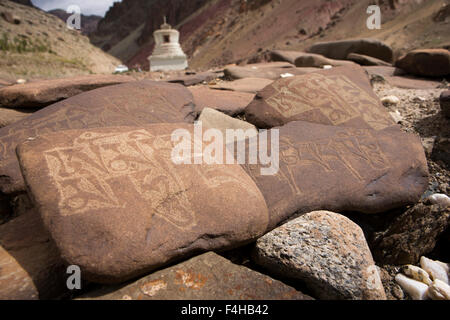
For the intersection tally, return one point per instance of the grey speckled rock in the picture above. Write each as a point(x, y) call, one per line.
point(327, 252)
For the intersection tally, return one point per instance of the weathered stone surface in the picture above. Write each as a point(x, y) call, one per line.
point(341, 169)
point(399, 78)
point(364, 60)
point(444, 101)
point(231, 103)
point(426, 62)
point(311, 60)
point(31, 267)
point(285, 55)
point(206, 277)
point(251, 85)
point(10, 116)
point(411, 235)
point(43, 93)
point(342, 96)
point(212, 119)
point(131, 104)
point(341, 49)
point(326, 251)
point(271, 71)
point(190, 80)
point(118, 206)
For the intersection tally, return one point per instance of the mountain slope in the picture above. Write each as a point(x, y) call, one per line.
point(37, 44)
point(218, 32)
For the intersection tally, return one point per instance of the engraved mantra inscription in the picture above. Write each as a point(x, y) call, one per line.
point(338, 98)
point(120, 111)
point(348, 148)
point(84, 175)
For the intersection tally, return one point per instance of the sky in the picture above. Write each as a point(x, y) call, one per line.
point(88, 7)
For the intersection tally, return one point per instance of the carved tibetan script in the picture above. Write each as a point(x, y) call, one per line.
point(338, 98)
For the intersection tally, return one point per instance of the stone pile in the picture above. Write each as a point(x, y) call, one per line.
point(91, 181)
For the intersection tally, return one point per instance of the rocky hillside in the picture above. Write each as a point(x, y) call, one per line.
point(217, 32)
point(37, 44)
point(88, 23)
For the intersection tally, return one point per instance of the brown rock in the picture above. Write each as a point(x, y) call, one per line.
point(364, 60)
point(10, 116)
point(118, 206)
point(411, 235)
point(444, 101)
point(206, 277)
point(193, 79)
point(342, 96)
point(131, 104)
point(31, 267)
point(426, 62)
point(250, 85)
point(43, 93)
point(341, 169)
point(311, 60)
point(271, 71)
point(398, 78)
point(285, 56)
point(341, 49)
point(231, 103)
point(326, 251)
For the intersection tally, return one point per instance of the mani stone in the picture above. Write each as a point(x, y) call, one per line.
point(231, 103)
point(119, 206)
point(130, 104)
point(426, 62)
point(341, 49)
point(40, 94)
point(327, 252)
point(167, 54)
point(205, 277)
point(30, 265)
point(341, 169)
point(341, 96)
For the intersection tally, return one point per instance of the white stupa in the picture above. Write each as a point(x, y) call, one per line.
point(167, 54)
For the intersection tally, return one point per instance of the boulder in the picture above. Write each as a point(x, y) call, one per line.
point(212, 119)
point(250, 85)
point(231, 103)
point(311, 60)
point(285, 56)
point(341, 49)
point(339, 169)
point(193, 79)
point(341, 96)
point(206, 277)
point(444, 101)
point(426, 62)
point(364, 60)
point(31, 267)
point(118, 204)
point(327, 252)
point(131, 104)
point(411, 235)
point(10, 116)
point(271, 71)
point(43, 93)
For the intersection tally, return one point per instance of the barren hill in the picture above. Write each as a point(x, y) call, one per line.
point(37, 44)
point(217, 32)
